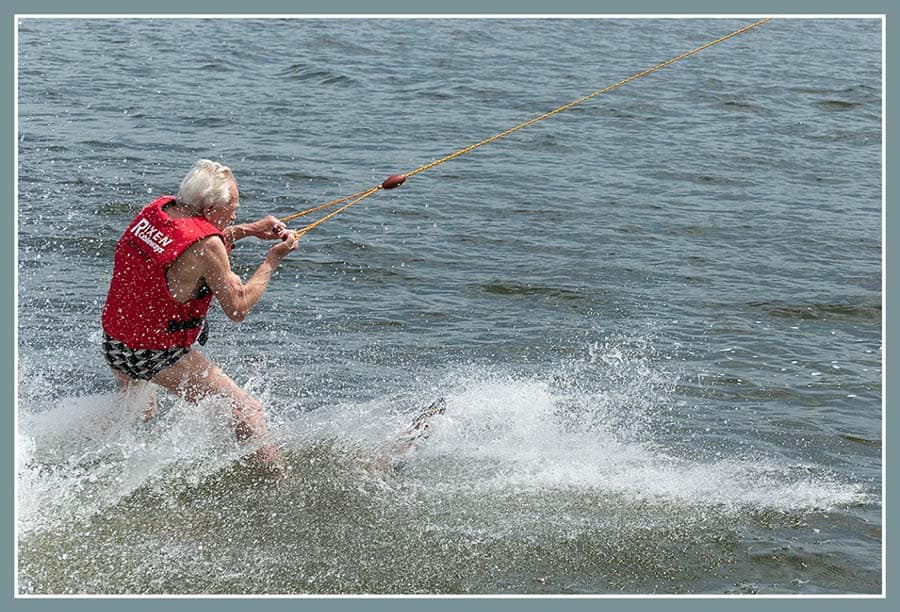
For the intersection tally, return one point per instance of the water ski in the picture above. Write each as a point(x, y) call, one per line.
point(417, 430)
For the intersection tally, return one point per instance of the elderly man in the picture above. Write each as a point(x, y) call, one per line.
point(170, 263)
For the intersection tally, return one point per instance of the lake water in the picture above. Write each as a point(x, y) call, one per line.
point(656, 318)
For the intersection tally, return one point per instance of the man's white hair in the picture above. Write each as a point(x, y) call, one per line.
point(207, 184)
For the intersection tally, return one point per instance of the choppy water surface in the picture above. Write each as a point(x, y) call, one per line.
point(656, 319)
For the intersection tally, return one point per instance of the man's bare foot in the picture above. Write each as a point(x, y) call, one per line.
point(268, 460)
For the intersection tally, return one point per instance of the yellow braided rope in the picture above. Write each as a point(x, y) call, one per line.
point(566, 107)
point(320, 207)
point(364, 194)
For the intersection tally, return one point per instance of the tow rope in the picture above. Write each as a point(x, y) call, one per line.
point(395, 180)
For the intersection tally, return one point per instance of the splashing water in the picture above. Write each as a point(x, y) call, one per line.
point(518, 459)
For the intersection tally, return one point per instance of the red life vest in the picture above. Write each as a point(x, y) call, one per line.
point(140, 311)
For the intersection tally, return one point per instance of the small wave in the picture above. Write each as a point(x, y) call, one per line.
point(304, 72)
point(210, 121)
point(862, 441)
point(216, 66)
point(517, 289)
point(838, 105)
point(861, 309)
point(742, 106)
point(103, 145)
point(574, 298)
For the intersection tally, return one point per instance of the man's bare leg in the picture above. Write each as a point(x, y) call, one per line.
point(194, 377)
point(135, 388)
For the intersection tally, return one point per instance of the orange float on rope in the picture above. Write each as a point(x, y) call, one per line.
point(394, 180)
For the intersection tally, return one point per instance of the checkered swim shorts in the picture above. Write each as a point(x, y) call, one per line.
point(142, 364)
